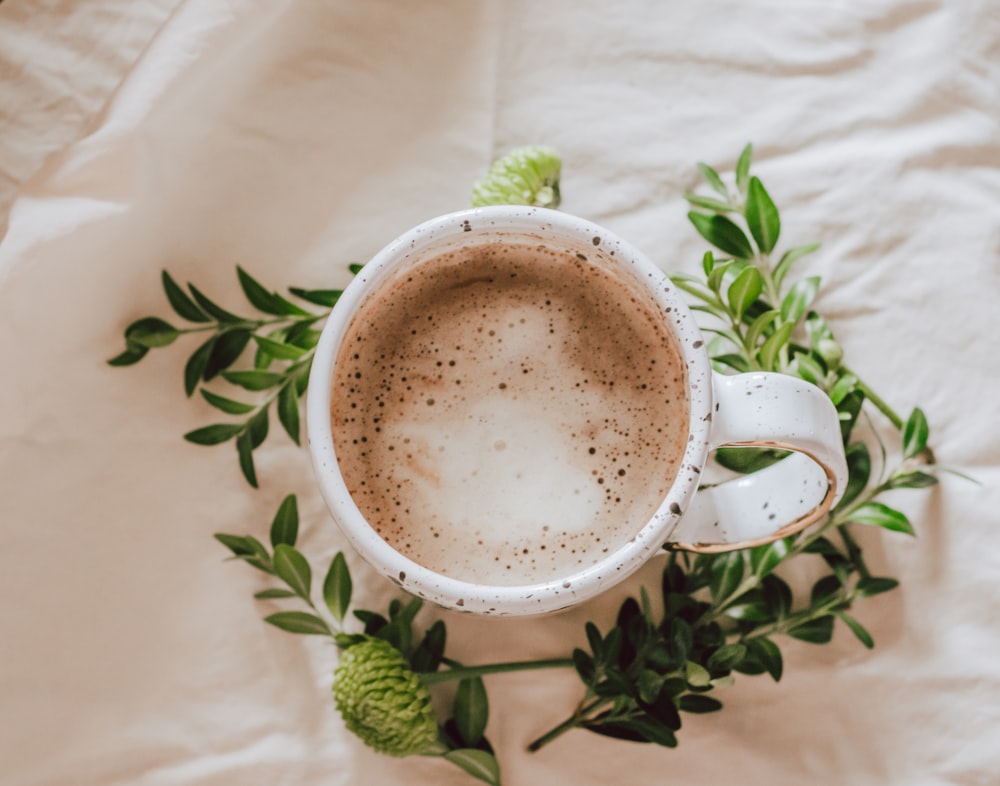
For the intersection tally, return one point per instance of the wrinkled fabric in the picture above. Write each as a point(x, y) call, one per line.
point(293, 138)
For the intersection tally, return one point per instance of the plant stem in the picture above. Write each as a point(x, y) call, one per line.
point(570, 723)
point(877, 400)
point(464, 672)
point(854, 552)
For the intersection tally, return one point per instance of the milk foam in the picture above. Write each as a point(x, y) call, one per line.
point(508, 414)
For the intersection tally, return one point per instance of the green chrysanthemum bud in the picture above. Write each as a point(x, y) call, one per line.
point(383, 701)
point(525, 176)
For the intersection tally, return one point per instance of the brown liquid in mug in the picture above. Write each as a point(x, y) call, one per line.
point(509, 414)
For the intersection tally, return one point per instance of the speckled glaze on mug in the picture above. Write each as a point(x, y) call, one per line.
point(750, 409)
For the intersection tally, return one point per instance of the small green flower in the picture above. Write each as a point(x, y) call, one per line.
point(383, 701)
point(525, 176)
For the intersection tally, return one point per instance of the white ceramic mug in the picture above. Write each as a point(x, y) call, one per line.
point(756, 409)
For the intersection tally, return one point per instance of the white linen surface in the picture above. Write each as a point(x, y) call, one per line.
point(295, 137)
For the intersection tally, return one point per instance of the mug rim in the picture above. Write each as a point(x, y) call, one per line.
point(576, 586)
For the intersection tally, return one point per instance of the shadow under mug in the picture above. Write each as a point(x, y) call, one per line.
point(755, 409)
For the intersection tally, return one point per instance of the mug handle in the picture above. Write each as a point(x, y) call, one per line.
point(775, 411)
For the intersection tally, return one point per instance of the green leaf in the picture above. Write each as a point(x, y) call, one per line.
point(822, 545)
point(874, 585)
point(641, 729)
point(274, 593)
point(771, 350)
point(151, 332)
point(847, 411)
point(768, 654)
point(288, 410)
point(759, 326)
point(373, 622)
point(857, 629)
point(301, 374)
point(817, 631)
point(133, 354)
point(748, 612)
point(471, 710)
point(912, 480)
point(762, 216)
point(478, 763)
point(227, 405)
point(708, 262)
point(825, 590)
point(713, 179)
point(743, 168)
point(285, 526)
point(244, 451)
point(699, 703)
point(723, 234)
point(724, 270)
point(227, 349)
point(260, 557)
point(878, 515)
point(692, 286)
point(257, 428)
point(727, 656)
point(646, 605)
point(298, 622)
point(301, 335)
point(211, 307)
point(320, 297)
point(764, 559)
point(842, 387)
point(799, 298)
point(729, 360)
point(180, 302)
point(613, 645)
point(289, 309)
point(584, 665)
point(708, 203)
point(777, 595)
point(238, 544)
point(355, 267)
point(679, 637)
point(859, 469)
point(663, 710)
point(337, 587)
point(258, 296)
point(727, 573)
point(595, 641)
point(430, 652)
point(636, 729)
point(788, 259)
point(696, 674)
point(293, 569)
point(806, 367)
point(215, 434)
point(744, 291)
point(194, 369)
point(915, 433)
point(278, 349)
point(253, 380)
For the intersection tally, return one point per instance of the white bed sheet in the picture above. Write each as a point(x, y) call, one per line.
point(295, 137)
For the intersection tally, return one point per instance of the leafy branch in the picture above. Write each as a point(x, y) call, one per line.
point(284, 342)
point(722, 612)
point(414, 664)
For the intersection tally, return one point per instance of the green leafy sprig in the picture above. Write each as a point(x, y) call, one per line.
point(721, 613)
point(284, 342)
point(461, 738)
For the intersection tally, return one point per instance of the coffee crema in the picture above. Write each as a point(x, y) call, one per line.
point(509, 414)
